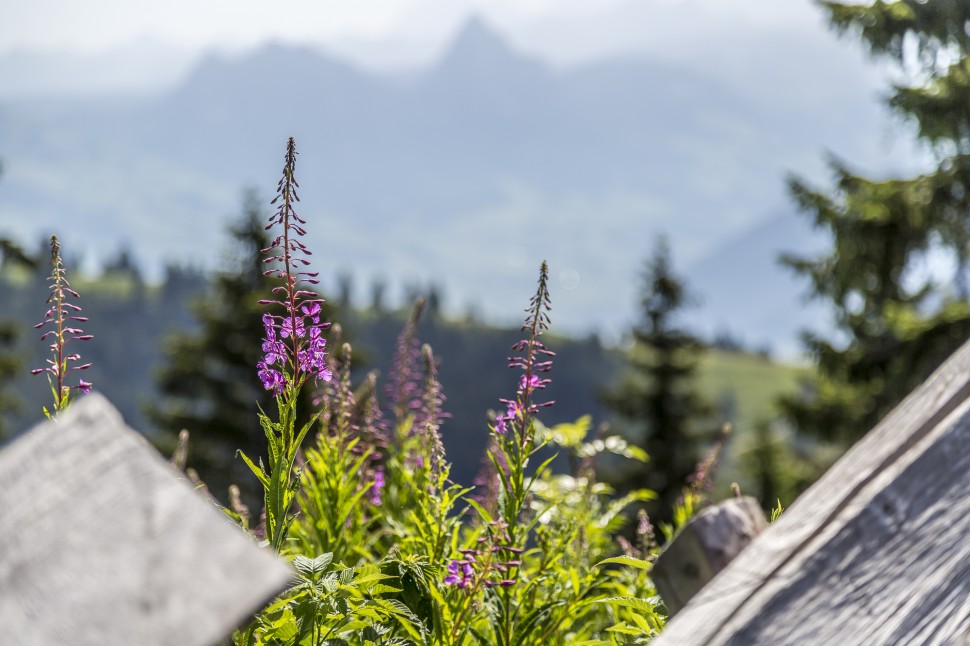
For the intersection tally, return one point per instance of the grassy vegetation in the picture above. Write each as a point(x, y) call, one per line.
point(750, 384)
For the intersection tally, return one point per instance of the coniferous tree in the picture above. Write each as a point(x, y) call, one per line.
point(657, 396)
point(210, 385)
point(10, 366)
point(894, 327)
point(10, 362)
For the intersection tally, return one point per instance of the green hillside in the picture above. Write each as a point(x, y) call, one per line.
point(746, 386)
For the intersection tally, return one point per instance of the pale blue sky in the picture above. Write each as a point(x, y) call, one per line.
point(389, 31)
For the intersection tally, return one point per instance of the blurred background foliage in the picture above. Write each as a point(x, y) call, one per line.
point(182, 354)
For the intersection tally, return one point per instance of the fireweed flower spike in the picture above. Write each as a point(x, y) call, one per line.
point(372, 429)
point(431, 416)
point(514, 444)
point(403, 389)
point(294, 350)
point(64, 319)
point(535, 360)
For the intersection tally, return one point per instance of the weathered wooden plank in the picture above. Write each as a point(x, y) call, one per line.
point(704, 547)
point(102, 543)
point(874, 552)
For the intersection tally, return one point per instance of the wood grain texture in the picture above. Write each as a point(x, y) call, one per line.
point(704, 547)
point(102, 543)
point(876, 552)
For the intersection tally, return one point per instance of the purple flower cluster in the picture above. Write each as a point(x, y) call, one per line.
point(512, 414)
point(462, 572)
point(377, 486)
point(64, 317)
point(515, 409)
point(293, 346)
point(305, 332)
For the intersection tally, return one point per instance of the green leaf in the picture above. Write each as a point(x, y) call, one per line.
point(777, 511)
point(640, 564)
point(256, 470)
point(644, 624)
point(624, 629)
point(346, 576)
point(542, 469)
point(487, 517)
point(312, 568)
point(534, 619)
point(380, 588)
point(635, 603)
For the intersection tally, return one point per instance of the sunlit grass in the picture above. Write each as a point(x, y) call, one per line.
point(751, 384)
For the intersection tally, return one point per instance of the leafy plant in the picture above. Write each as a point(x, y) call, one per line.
point(294, 350)
point(388, 550)
point(335, 607)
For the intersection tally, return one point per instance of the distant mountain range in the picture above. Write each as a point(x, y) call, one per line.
point(466, 175)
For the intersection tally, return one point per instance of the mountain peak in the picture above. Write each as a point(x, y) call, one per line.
point(479, 51)
point(477, 44)
point(478, 33)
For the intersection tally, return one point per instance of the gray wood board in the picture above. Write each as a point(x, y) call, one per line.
point(875, 552)
point(102, 542)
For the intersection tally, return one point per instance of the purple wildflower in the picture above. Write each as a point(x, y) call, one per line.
point(512, 414)
point(286, 329)
point(530, 383)
point(312, 311)
point(64, 317)
point(274, 350)
point(377, 487)
point(313, 356)
point(492, 568)
point(460, 573)
point(272, 379)
point(403, 389)
point(371, 426)
point(294, 348)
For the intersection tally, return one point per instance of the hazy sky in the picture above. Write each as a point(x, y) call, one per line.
point(389, 32)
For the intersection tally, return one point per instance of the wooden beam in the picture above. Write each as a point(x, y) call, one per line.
point(102, 543)
point(875, 552)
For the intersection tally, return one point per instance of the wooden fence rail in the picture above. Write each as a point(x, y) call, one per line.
point(102, 543)
point(876, 552)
